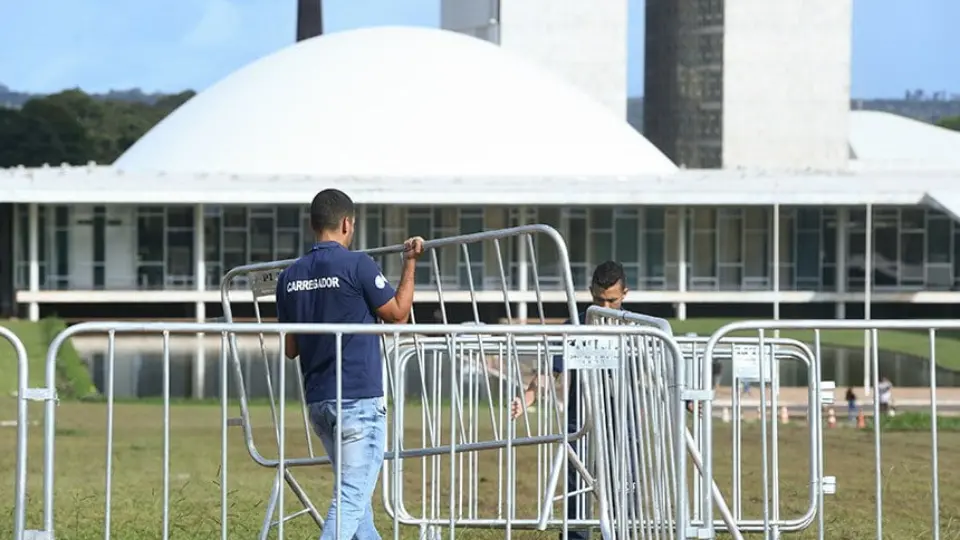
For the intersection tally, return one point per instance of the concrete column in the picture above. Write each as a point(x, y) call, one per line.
point(33, 254)
point(522, 267)
point(200, 283)
point(682, 261)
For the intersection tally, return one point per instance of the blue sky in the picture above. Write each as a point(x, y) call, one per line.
point(170, 45)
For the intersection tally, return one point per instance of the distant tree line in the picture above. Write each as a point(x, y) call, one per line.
point(952, 122)
point(76, 128)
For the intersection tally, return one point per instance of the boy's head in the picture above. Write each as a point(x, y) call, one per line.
point(608, 286)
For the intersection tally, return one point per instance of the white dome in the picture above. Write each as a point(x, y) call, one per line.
point(394, 101)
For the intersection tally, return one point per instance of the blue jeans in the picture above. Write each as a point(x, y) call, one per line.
point(363, 424)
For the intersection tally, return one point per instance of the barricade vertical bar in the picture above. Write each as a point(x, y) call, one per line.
point(166, 434)
point(282, 429)
point(224, 431)
point(111, 367)
point(20, 481)
point(816, 456)
point(875, 367)
point(765, 465)
point(934, 458)
point(338, 444)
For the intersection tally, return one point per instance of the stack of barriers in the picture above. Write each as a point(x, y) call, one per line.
point(451, 386)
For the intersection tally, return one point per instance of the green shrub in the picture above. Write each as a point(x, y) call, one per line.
point(918, 421)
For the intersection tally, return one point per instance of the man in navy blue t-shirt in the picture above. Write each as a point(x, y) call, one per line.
point(608, 289)
point(332, 284)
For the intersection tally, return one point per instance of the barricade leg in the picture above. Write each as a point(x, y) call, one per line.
point(23, 396)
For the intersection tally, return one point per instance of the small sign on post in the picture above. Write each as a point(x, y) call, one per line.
point(746, 363)
point(594, 352)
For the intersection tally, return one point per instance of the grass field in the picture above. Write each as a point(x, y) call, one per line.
point(194, 490)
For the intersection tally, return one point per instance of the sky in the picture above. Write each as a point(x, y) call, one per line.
point(172, 45)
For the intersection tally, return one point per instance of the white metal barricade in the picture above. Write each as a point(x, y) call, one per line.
point(24, 395)
point(743, 354)
point(262, 279)
point(574, 341)
point(649, 381)
point(822, 393)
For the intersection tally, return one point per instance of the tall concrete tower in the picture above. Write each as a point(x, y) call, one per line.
point(749, 83)
point(584, 43)
point(309, 19)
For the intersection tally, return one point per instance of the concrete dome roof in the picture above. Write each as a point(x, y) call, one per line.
point(394, 101)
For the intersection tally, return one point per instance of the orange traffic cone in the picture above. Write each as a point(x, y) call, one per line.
point(861, 421)
point(831, 418)
point(784, 415)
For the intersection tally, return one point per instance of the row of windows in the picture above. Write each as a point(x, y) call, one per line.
point(108, 247)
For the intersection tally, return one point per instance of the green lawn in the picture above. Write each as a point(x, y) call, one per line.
point(73, 380)
point(195, 477)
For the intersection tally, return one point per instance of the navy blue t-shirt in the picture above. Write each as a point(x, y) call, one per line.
point(332, 284)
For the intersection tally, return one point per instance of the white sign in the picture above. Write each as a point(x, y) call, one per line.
point(594, 353)
point(746, 363)
point(264, 282)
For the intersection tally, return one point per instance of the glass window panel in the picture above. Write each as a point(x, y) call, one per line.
point(938, 241)
point(756, 254)
point(911, 261)
point(704, 219)
point(211, 238)
point(577, 240)
point(288, 244)
point(150, 276)
point(730, 278)
point(547, 255)
point(829, 238)
point(654, 254)
point(601, 218)
point(808, 218)
point(632, 274)
point(180, 216)
point(288, 217)
point(234, 216)
point(654, 218)
point(150, 238)
point(886, 260)
point(373, 228)
point(730, 248)
point(180, 253)
point(912, 218)
point(602, 247)
point(419, 225)
point(703, 250)
point(628, 239)
point(261, 239)
point(808, 256)
point(235, 241)
point(755, 218)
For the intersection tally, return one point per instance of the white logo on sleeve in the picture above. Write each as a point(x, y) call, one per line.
point(380, 281)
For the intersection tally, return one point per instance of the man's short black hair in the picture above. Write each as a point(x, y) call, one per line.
point(607, 275)
point(328, 209)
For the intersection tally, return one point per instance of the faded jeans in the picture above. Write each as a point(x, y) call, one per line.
point(363, 425)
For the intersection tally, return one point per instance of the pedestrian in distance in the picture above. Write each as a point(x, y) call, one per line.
point(332, 284)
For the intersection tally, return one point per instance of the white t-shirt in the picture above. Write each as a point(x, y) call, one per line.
point(885, 391)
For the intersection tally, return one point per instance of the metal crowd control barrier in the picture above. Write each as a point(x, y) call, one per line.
point(24, 395)
point(744, 355)
point(262, 279)
point(588, 349)
point(654, 387)
point(821, 392)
